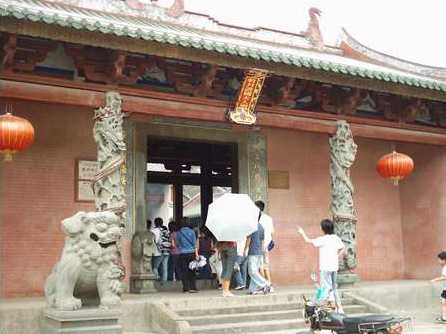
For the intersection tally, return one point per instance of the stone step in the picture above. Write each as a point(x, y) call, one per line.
point(202, 301)
point(288, 331)
point(197, 320)
point(244, 317)
point(240, 306)
point(238, 309)
point(250, 327)
point(169, 286)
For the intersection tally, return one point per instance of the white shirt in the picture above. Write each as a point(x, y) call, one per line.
point(329, 245)
point(268, 227)
point(443, 273)
point(157, 233)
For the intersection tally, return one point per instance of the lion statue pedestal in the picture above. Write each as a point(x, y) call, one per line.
point(86, 320)
point(89, 272)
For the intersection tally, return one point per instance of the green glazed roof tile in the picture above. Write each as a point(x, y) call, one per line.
point(164, 32)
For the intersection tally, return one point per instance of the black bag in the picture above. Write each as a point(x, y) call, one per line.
point(271, 246)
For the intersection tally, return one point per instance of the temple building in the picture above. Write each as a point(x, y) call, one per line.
point(210, 109)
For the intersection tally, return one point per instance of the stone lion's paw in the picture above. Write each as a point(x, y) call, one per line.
point(116, 287)
point(110, 302)
point(70, 304)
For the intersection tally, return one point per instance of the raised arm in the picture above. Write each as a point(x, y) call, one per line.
point(304, 235)
point(439, 279)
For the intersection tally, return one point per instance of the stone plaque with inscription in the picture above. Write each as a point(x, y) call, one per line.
point(85, 174)
point(278, 179)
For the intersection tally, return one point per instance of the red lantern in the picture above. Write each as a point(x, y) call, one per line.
point(16, 134)
point(395, 166)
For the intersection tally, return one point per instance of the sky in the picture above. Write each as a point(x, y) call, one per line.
point(409, 29)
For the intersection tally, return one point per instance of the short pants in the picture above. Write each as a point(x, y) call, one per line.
point(228, 258)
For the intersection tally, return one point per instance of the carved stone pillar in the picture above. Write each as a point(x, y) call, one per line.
point(257, 167)
point(108, 132)
point(91, 265)
point(342, 156)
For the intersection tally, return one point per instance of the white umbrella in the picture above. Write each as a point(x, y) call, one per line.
point(232, 217)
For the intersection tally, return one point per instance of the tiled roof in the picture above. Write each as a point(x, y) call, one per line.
point(188, 37)
point(347, 41)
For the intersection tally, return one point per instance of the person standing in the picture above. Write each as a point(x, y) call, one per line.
point(156, 258)
point(442, 261)
point(331, 248)
point(161, 261)
point(216, 266)
point(228, 256)
point(268, 227)
point(174, 272)
point(186, 242)
point(254, 249)
point(241, 267)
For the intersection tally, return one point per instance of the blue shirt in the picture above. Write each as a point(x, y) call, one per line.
point(185, 240)
point(255, 247)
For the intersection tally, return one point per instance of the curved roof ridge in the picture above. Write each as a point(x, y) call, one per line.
point(355, 49)
point(189, 19)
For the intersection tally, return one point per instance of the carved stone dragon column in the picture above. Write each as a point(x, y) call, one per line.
point(342, 156)
point(108, 132)
point(109, 184)
point(90, 265)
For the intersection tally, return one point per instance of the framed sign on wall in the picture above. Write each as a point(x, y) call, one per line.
point(278, 179)
point(85, 172)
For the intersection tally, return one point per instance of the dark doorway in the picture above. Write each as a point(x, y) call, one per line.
point(184, 177)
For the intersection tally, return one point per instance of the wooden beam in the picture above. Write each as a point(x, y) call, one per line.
point(54, 32)
point(177, 106)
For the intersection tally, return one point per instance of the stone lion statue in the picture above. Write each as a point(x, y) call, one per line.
point(90, 262)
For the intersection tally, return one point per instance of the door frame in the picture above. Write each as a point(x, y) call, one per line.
point(251, 155)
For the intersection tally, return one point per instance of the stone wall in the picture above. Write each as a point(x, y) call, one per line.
point(306, 157)
point(400, 229)
point(423, 200)
point(38, 191)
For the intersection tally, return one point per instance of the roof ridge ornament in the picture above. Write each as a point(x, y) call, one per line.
point(313, 33)
point(175, 11)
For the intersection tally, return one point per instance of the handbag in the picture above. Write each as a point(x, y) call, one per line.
point(271, 246)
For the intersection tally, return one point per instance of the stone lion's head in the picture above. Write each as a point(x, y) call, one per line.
point(103, 227)
point(93, 235)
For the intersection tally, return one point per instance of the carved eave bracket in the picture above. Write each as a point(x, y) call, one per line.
point(205, 82)
point(402, 109)
point(108, 66)
point(282, 91)
point(22, 55)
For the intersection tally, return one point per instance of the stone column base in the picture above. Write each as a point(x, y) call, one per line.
point(85, 321)
point(346, 279)
point(142, 283)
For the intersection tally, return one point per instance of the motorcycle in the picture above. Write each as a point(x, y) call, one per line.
point(321, 315)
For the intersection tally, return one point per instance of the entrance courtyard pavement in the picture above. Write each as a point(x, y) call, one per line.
point(424, 312)
point(423, 317)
